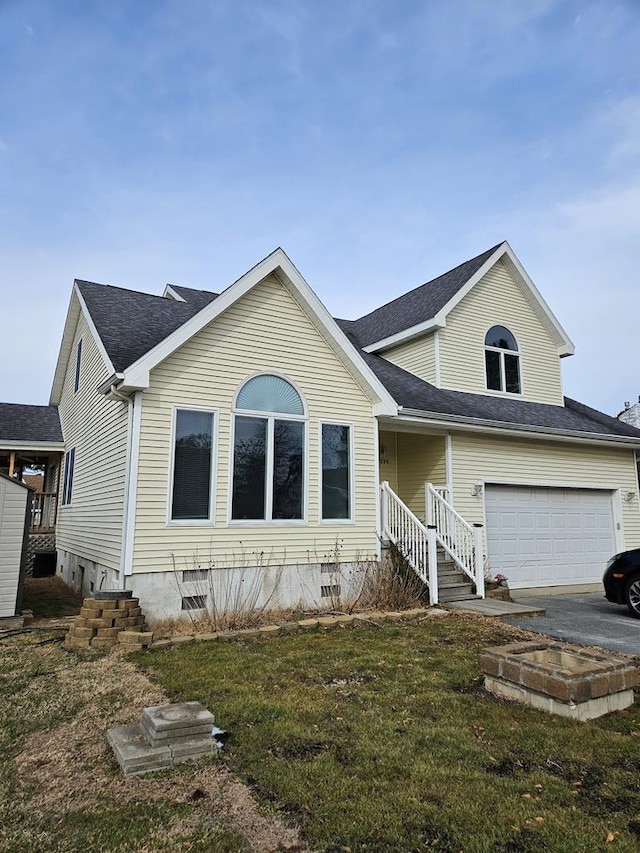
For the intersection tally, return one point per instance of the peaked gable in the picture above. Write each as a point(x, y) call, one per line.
point(426, 308)
point(418, 305)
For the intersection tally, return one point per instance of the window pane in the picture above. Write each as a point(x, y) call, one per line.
point(288, 454)
point(67, 488)
point(78, 361)
point(270, 394)
point(249, 462)
point(500, 337)
point(512, 373)
point(192, 465)
point(336, 496)
point(492, 361)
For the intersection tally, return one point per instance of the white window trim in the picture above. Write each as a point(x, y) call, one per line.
point(67, 493)
point(270, 417)
point(196, 522)
point(78, 367)
point(294, 385)
point(352, 481)
point(502, 352)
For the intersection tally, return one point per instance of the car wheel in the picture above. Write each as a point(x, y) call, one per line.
point(632, 596)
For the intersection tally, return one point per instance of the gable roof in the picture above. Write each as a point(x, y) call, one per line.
point(425, 308)
point(419, 398)
point(198, 298)
point(25, 423)
point(418, 305)
point(137, 330)
point(131, 323)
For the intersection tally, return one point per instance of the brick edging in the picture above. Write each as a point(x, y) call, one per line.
point(315, 623)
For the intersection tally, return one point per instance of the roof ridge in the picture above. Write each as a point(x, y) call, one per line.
point(486, 254)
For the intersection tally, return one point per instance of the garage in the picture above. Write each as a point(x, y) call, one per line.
point(548, 536)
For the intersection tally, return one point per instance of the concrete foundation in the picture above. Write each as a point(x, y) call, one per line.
point(198, 590)
point(85, 576)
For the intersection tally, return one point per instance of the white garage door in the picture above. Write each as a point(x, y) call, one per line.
point(547, 537)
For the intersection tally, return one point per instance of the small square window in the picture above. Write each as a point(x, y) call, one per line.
point(194, 602)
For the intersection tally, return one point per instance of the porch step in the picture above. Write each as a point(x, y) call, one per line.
point(459, 592)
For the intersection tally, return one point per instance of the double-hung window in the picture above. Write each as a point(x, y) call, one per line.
point(268, 452)
point(337, 489)
point(67, 485)
point(192, 474)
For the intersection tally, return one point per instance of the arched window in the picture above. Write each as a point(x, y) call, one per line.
point(268, 451)
point(502, 360)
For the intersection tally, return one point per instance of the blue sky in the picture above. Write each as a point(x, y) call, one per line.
point(379, 142)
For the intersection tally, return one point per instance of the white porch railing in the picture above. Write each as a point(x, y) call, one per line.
point(43, 511)
point(461, 540)
point(416, 542)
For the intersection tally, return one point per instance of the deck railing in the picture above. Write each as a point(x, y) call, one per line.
point(43, 511)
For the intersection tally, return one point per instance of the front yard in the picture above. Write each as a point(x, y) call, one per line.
point(368, 739)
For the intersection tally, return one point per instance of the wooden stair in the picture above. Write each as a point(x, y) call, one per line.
point(453, 584)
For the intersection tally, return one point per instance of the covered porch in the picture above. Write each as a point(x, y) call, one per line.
point(417, 515)
point(40, 470)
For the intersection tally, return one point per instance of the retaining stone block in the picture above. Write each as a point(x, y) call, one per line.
point(104, 642)
point(111, 613)
point(77, 642)
point(85, 633)
point(108, 632)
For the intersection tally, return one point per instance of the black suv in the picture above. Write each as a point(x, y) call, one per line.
point(622, 580)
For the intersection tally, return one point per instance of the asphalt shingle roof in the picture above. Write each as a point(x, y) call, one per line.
point(131, 323)
point(198, 298)
point(20, 422)
point(418, 305)
point(411, 392)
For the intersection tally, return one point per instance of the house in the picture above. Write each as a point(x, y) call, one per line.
point(631, 414)
point(248, 443)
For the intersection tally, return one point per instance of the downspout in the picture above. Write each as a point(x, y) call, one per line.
point(131, 480)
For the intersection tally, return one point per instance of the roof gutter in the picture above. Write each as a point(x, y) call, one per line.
point(525, 430)
point(110, 385)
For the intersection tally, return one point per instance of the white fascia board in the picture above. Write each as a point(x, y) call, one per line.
point(170, 293)
point(76, 305)
point(565, 344)
point(385, 405)
point(35, 446)
point(486, 426)
point(430, 325)
point(137, 375)
point(68, 332)
point(439, 321)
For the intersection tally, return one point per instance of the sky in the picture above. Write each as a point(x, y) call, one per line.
point(379, 142)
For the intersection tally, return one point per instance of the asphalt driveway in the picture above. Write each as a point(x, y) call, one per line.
point(585, 618)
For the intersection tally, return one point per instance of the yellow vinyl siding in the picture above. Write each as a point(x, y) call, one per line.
point(421, 459)
point(417, 356)
point(497, 300)
point(485, 459)
point(265, 331)
point(91, 526)
point(389, 458)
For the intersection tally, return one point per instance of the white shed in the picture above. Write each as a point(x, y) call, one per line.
point(15, 513)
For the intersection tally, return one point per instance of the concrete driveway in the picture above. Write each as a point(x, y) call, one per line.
point(584, 618)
